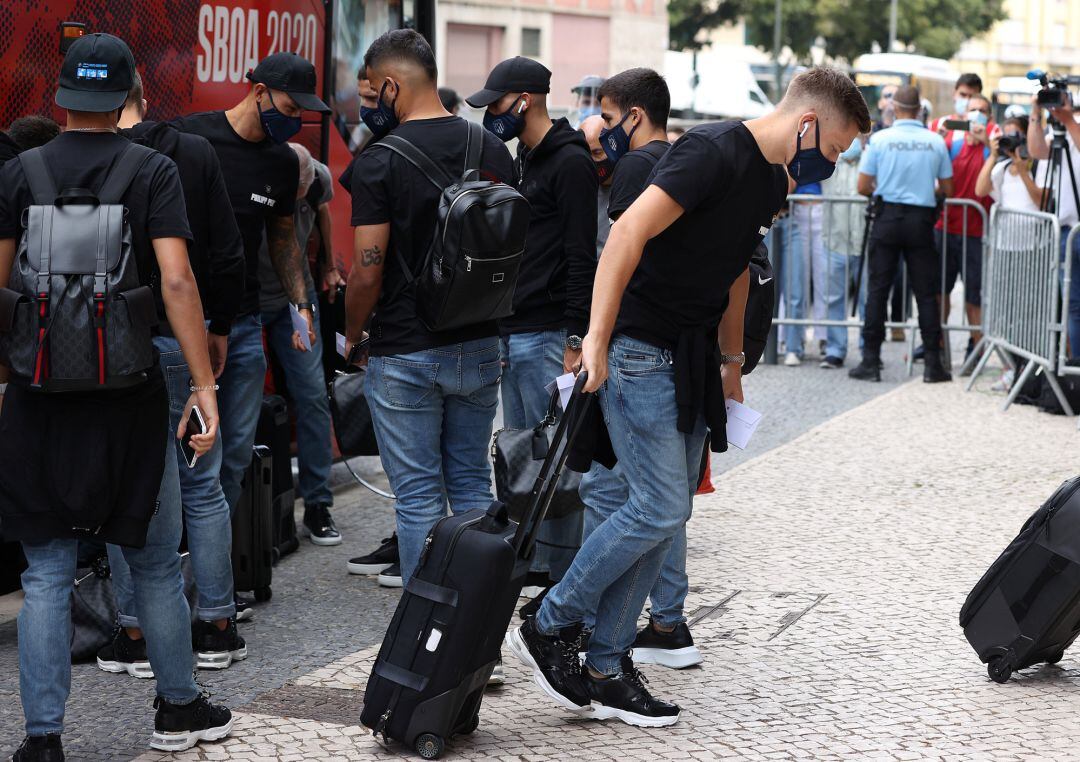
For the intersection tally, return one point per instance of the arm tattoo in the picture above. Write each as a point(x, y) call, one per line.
point(286, 257)
point(372, 256)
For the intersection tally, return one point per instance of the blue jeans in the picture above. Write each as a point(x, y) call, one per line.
point(45, 619)
point(621, 559)
point(1073, 319)
point(605, 491)
point(239, 402)
point(530, 362)
point(433, 411)
point(802, 246)
point(206, 514)
point(838, 273)
point(304, 378)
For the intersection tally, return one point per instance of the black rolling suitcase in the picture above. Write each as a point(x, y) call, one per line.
point(253, 528)
point(273, 431)
point(445, 637)
point(1026, 608)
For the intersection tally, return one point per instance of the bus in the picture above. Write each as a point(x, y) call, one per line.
point(934, 77)
point(1013, 91)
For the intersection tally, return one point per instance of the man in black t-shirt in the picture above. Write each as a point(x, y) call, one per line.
point(433, 395)
point(65, 454)
point(672, 278)
point(555, 173)
point(261, 175)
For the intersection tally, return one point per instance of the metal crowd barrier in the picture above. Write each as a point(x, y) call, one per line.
point(1021, 298)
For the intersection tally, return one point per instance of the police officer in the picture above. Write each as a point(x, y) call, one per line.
point(898, 170)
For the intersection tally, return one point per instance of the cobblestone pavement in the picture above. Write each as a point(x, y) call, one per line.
point(826, 606)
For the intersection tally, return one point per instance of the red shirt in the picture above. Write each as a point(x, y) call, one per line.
point(966, 167)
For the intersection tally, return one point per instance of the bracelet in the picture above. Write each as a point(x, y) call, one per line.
point(210, 388)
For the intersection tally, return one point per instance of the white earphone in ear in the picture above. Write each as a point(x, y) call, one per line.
point(805, 127)
point(521, 107)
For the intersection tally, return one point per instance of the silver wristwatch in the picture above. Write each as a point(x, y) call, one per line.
point(573, 342)
point(739, 359)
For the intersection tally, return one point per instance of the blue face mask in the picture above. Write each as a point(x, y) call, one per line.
point(854, 152)
point(381, 119)
point(979, 117)
point(960, 104)
point(616, 141)
point(810, 165)
point(278, 127)
point(507, 125)
point(588, 111)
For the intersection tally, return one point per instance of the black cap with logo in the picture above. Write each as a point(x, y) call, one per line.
point(96, 75)
point(514, 75)
point(291, 74)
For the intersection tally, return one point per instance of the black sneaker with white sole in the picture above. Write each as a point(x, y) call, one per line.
point(319, 525)
point(217, 649)
point(122, 654)
point(390, 576)
point(180, 726)
point(554, 662)
point(673, 649)
point(625, 697)
point(380, 559)
point(40, 749)
point(245, 609)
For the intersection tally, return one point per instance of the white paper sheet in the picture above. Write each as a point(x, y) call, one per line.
point(341, 345)
point(300, 325)
point(565, 383)
point(742, 422)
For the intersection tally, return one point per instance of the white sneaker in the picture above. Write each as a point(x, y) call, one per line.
point(792, 360)
point(1005, 383)
point(498, 676)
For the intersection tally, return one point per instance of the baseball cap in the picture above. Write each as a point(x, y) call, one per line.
point(292, 74)
point(514, 75)
point(96, 75)
point(589, 82)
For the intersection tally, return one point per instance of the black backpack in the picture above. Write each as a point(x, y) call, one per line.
point(75, 317)
point(760, 304)
point(471, 268)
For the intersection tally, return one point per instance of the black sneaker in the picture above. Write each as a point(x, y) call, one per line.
point(868, 370)
point(920, 353)
point(40, 749)
point(319, 525)
point(530, 608)
point(390, 576)
point(181, 726)
point(583, 645)
point(244, 609)
point(625, 697)
point(554, 662)
point(673, 649)
point(217, 649)
point(832, 363)
point(123, 654)
point(380, 559)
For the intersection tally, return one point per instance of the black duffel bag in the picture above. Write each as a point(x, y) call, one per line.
point(351, 415)
point(518, 455)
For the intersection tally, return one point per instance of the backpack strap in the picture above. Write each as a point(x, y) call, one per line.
point(435, 174)
point(123, 173)
point(474, 150)
point(38, 177)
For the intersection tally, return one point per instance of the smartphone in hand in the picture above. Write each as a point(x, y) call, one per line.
point(196, 425)
point(957, 124)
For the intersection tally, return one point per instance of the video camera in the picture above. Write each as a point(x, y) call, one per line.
point(1055, 89)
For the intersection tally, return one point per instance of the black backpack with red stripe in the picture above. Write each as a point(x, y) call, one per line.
point(75, 316)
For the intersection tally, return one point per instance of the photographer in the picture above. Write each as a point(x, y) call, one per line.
point(1009, 182)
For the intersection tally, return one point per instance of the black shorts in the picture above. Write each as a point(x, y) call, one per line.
point(954, 265)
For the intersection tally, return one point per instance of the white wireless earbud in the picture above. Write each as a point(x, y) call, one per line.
point(521, 107)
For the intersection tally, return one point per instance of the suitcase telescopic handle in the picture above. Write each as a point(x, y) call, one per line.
point(543, 490)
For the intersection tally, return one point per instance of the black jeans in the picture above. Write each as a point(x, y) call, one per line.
point(908, 232)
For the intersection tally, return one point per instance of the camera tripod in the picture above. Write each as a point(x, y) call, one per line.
point(1051, 195)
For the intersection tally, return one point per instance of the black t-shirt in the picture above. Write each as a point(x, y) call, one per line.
point(262, 179)
point(729, 194)
point(387, 188)
point(632, 175)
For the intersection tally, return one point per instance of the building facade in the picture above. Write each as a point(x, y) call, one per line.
point(1038, 34)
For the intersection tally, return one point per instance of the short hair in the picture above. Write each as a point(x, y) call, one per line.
point(639, 87)
point(971, 79)
point(832, 89)
point(307, 166)
point(32, 131)
point(135, 94)
point(980, 97)
point(1019, 121)
point(405, 45)
point(449, 97)
point(907, 99)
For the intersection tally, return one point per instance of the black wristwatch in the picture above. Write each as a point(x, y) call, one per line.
point(573, 342)
point(305, 306)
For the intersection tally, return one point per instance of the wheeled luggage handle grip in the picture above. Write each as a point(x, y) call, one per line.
point(546, 482)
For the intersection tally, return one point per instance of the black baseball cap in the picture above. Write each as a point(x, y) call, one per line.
point(96, 75)
point(514, 75)
point(290, 74)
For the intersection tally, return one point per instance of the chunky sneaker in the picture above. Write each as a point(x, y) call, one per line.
point(217, 649)
point(391, 576)
point(673, 649)
point(868, 370)
point(583, 645)
point(554, 661)
point(832, 363)
point(40, 749)
point(380, 559)
point(498, 675)
point(319, 526)
point(181, 726)
point(792, 360)
point(625, 697)
point(123, 654)
point(245, 611)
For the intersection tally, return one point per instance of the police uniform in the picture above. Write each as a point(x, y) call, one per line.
point(905, 160)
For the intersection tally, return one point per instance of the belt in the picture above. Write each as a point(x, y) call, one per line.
point(911, 207)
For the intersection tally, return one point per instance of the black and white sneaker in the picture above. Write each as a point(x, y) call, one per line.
point(319, 525)
point(40, 749)
point(390, 576)
point(180, 726)
point(380, 559)
point(245, 610)
point(217, 649)
point(832, 363)
point(673, 649)
point(554, 662)
point(625, 697)
point(123, 654)
point(498, 675)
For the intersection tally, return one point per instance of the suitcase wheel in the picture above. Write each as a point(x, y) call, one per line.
point(263, 594)
point(999, 670)
point(429, 746)
point(1055, 658)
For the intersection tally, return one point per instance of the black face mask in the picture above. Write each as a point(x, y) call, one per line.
point(604, 169)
